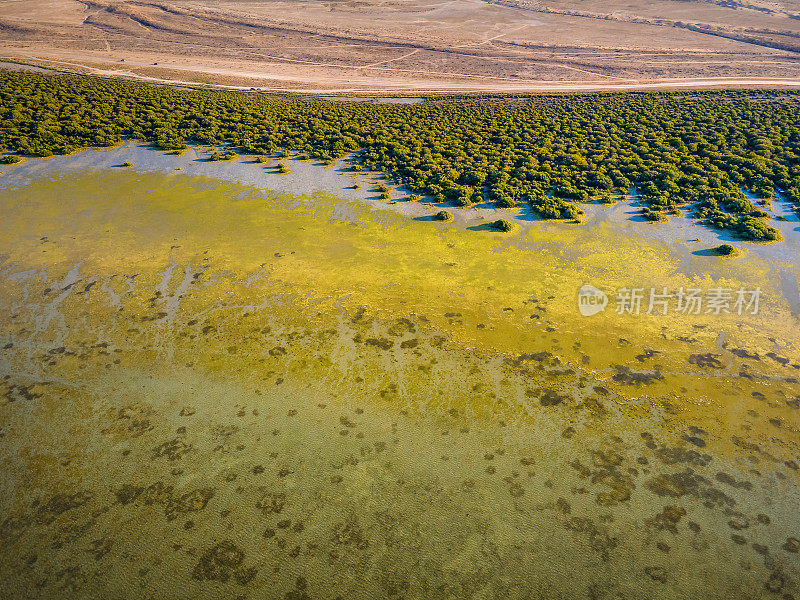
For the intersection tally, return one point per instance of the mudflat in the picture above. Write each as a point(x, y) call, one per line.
point(214, 385)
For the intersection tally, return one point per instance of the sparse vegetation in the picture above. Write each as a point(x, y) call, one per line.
point(126, 164)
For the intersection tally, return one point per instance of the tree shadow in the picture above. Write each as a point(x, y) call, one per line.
point(484, 204)
point(208, 159)
point(484, 227)
point(726, 235)
point(637, 217)
point(526, 213)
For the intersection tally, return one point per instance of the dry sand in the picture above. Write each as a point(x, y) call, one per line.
point(471, 45)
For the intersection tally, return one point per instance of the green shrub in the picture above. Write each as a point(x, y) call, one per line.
point(724, 250)
point(503, 225)
point(654, 216)
point(754, 230)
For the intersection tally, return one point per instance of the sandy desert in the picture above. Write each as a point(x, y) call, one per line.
point(413, 45)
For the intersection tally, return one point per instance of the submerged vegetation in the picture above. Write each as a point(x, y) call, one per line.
point(699, 152)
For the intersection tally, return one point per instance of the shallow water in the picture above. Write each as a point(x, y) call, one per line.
point(215, 386)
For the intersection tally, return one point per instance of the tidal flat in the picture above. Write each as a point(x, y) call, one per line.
point(218, 385)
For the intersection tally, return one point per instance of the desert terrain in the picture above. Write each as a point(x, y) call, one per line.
point(413, 46)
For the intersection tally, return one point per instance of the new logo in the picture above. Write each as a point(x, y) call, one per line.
point(591, 300)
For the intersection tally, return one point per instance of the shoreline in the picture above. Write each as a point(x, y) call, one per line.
point(681, 235)
point(309, 176)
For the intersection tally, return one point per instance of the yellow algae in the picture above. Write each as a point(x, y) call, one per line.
point(304, 395)
point(480, 292)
